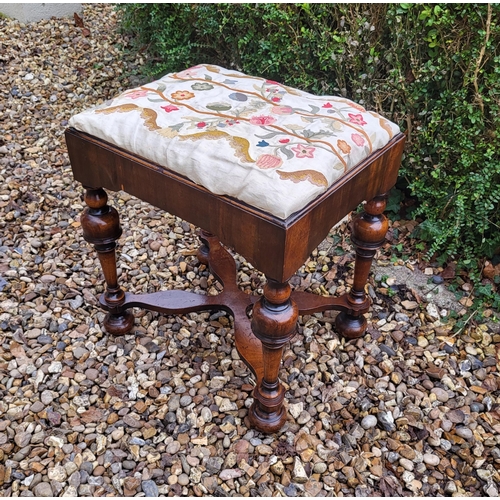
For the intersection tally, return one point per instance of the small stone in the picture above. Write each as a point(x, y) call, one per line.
point(386, 419)
point(369, 422)
point(299, 474)
point(227, 474)
point(441, 394)
point(431, 459)
point(278, 468)
point(450, 488)
point(320, 468)
point(407, 464)
point(43, 490)
point(303, 418)
point(183, 479)
point(22, 439)
point(432, 311)
point(464, 432)
point(296, 409)
point(149, 488)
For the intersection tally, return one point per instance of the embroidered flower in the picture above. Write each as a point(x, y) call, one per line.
point(272, 82)
point(276, 99)
point(262, 120)
point(302, 151)
point(201, 124)
point(284, 141)
point(269, 161)
point(170, 108)
point(358, 140)
point(282, 110)
point(202, 86)
point(135, 94)
point(327, 105)
point(343, 146)
point(356, 119)
point(182, 95)
point(189, 73)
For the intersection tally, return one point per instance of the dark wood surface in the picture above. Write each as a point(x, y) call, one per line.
point(274, 246)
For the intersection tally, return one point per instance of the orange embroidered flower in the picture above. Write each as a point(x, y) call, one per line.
point(268, 161)
point(182, 95)
point(343, 146)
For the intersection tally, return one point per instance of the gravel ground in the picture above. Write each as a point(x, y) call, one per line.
point(410, 409)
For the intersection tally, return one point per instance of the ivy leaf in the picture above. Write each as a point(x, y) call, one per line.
point(314, 109)
point(161, 87)
point(155, 100)
point(209, 78)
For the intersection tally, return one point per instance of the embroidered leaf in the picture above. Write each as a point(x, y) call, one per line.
point(314, 109)
point(122, 108)
point(268, 136)
point(209, 78)
point(262, 144)
point(161, 87)
point(291, 90)
point(155, 100)
point(286, 152)
point(149, 117)
point(213, 69)
point(169, 132)
point(314, 177)
point(240, 145)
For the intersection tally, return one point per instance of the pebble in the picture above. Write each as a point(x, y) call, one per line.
point(149, 488)
point(369, 422)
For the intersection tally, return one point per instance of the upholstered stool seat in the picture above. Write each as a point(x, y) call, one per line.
point(271, 146)
point(268, 169)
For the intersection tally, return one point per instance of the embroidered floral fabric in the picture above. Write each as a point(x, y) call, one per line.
point(269, 145)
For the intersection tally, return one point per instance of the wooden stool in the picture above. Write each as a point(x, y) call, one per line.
point(268, 169)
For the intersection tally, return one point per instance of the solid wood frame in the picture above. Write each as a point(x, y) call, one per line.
point(275, 246)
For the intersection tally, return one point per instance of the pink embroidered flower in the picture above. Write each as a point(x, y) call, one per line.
point(268, 161)
point(272, 82)
point(170, 108)
point(358, 140)
point(135, 94)
point(284, 141)
point(302, 151)
point(262, 120)
point(276, 99)
point(282, 110)
point(327, 105)
point(189, 73)
point(201, 124)
point(356, 119)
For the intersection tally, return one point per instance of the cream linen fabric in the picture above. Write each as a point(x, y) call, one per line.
point(271, 146)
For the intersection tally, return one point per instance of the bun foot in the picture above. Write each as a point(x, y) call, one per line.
point(267, 422)
point(119, 324)
point(350, 327)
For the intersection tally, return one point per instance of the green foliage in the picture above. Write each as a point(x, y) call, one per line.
point(433, 68)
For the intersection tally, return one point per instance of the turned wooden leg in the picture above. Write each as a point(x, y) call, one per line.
point(204, 249)
point(273, 323)
point(369, 229)
point(101, 227)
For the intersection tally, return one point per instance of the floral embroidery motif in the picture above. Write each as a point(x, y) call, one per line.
point(182, 95)
point(357, 119)
point(358, 140)
point(170, 108)
point(269, 161)
point(262, 120)
point(202, 86)
point(136, 94)
point(343, 146)
point(303, 151)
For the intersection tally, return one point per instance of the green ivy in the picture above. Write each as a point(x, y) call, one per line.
point(433, 68)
